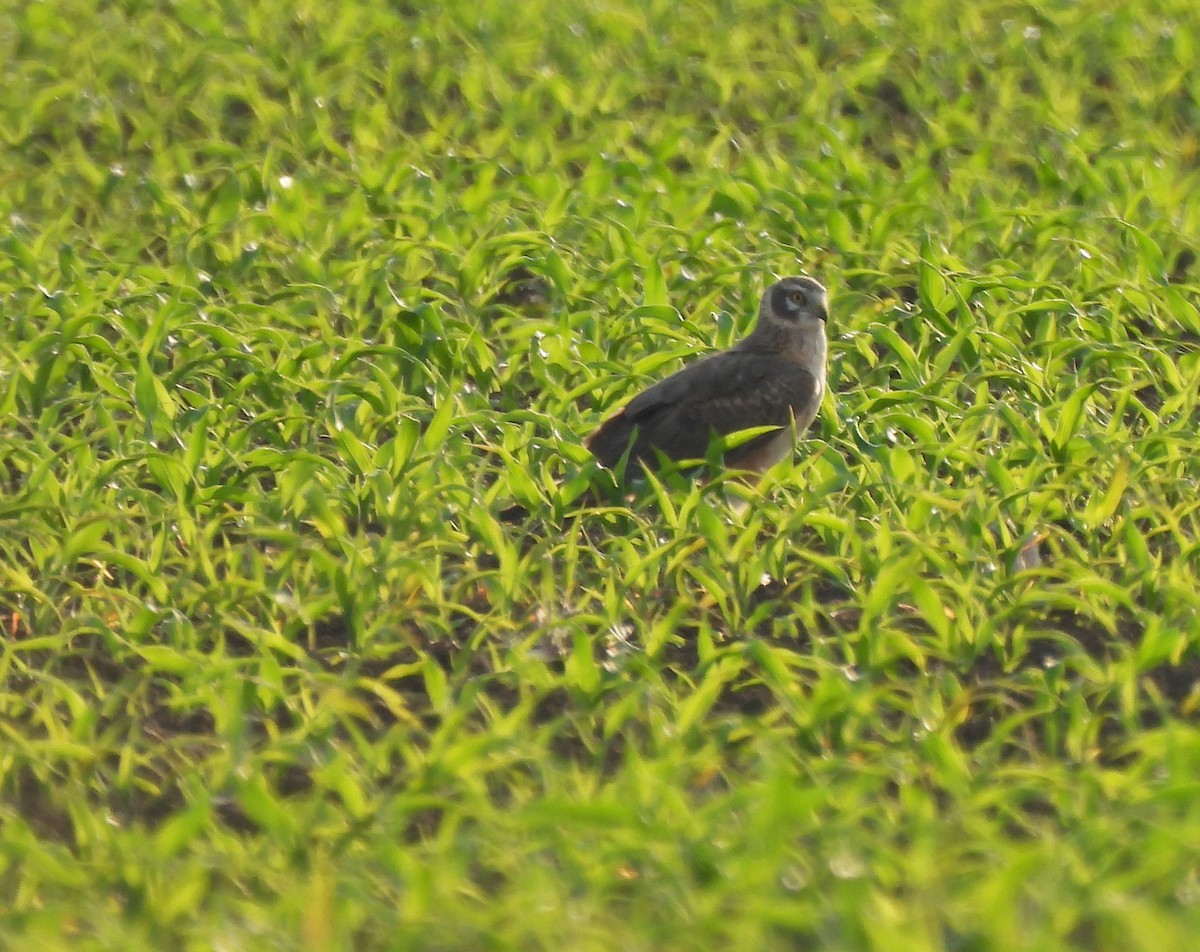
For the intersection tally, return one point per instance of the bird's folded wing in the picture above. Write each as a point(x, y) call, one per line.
point(721, 394)
point(740, 385)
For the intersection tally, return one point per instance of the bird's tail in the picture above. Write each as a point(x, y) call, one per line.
point(609, 443)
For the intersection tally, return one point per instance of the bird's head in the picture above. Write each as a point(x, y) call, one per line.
point(796, 302)
point(791, 321)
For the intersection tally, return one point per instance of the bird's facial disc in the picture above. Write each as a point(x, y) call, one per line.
point(796, 300)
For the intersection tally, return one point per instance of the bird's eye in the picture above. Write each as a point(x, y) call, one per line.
point(796, 297)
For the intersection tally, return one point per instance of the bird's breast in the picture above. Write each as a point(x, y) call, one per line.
point(774, 450)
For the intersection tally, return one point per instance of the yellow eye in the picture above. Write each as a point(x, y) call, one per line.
point(796, 297)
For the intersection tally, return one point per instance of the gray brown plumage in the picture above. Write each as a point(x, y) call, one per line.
point(773, 377)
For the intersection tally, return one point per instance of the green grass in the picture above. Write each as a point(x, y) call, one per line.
point(298, 298)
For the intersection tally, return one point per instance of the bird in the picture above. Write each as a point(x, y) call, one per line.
point(775, 376)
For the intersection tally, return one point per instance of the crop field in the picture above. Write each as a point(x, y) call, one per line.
point(320, 629)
